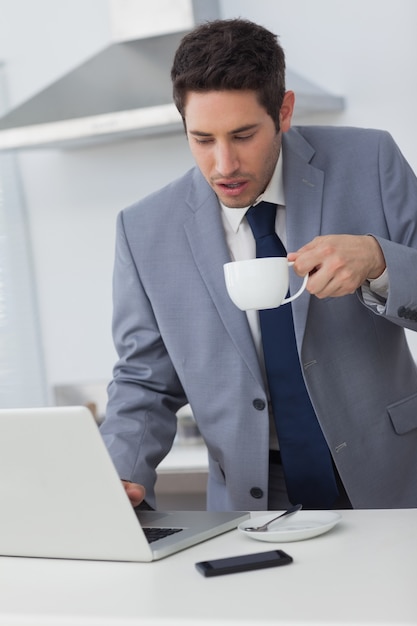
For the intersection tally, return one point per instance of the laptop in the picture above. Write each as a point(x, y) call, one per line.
point(61, 497)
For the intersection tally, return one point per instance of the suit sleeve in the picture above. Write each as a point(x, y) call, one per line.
point(398, 191)
point(145, 392)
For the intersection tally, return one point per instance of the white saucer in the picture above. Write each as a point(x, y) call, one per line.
point(301, 525)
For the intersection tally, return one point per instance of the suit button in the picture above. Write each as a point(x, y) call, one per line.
point(401, 311)
point(259, 404)
point(256, 492)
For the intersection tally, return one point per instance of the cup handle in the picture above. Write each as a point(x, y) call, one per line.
point(300, 291)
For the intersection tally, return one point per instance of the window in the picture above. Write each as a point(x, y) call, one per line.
point(22, 379)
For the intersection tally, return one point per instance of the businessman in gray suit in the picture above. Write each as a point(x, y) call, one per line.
point(347, 214)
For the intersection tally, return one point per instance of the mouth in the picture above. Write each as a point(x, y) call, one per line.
point(232, 188)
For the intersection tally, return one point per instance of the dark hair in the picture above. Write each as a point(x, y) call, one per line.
point(230, 54)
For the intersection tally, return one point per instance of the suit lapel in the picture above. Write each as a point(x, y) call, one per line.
point(206, 237)
point(303, 185)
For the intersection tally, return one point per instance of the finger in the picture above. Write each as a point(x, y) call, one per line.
point(307, 259)
point(325, 285)
point(135, 492)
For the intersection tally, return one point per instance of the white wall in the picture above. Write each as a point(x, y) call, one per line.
point(362, 49)
point(74, 197)
point(42, 39)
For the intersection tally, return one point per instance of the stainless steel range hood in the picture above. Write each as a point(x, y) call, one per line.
point(121, 92)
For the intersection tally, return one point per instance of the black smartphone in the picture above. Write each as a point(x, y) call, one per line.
point(243, 563)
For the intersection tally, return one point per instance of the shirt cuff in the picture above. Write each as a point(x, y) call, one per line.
point(375, 291)
point(380, 285)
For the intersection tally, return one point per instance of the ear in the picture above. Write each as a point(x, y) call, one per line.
point(286, 111)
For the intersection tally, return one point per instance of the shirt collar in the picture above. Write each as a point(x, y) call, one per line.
point(273, 193)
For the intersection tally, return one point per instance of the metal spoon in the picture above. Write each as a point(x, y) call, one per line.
point(260, 529)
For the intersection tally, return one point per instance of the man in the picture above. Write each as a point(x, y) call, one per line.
point(347, 208)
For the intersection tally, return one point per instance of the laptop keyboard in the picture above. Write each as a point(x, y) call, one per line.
point(153, 534)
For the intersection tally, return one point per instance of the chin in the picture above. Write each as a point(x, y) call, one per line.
point(236, 203)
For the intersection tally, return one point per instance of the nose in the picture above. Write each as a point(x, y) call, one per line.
point(227, 162)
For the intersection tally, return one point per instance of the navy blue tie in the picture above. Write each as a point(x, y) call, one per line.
point(305, 456)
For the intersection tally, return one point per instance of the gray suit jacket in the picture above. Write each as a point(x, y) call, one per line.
point(180, 338)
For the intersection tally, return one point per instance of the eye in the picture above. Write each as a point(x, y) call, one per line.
point(244, 137)
point(202, 141)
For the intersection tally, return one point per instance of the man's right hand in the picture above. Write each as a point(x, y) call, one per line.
point(136, 493)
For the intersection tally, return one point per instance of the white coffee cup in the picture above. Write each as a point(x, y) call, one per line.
point(260, 283)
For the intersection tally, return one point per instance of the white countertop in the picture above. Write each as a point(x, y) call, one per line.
point(364, 571)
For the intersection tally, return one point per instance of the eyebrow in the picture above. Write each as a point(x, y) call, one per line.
point(235, 131)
